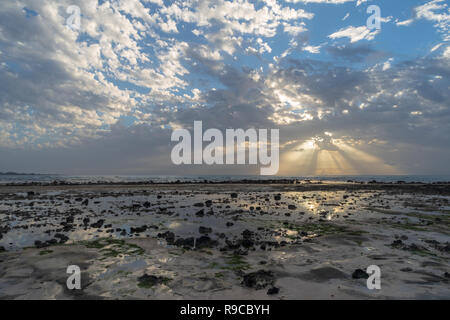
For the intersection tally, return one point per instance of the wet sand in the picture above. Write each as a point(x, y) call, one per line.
point(225, 241)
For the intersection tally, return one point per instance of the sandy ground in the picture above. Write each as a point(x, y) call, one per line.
point(225, 241)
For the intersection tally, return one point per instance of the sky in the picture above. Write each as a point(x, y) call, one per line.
point(104, 98)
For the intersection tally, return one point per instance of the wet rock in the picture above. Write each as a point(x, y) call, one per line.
point(187, 243)
point(138, 229)
point(168, 236)
point(40, 244)
point(62, 238)
point(360, 274)
point(148, 281)
point(204, 230)
point(259, 279)
point(273, 290)
point(205, 242)
point(240, 252)
point(86, 221)
point(51, 242)
point(397, 244)
point(69, 219)
point(200, 213)
point(247, 234)
point(247, 243)
point(147, 204)
point(232, 245)
point(98, 224)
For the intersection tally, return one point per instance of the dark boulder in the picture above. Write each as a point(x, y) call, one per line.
point(259, 279)
point(204, 230)
point(360, 274)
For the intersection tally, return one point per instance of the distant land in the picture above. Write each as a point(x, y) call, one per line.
point(19, 174)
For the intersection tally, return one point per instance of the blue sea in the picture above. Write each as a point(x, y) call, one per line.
point(7, 179)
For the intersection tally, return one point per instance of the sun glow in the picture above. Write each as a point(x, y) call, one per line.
point(323, 155)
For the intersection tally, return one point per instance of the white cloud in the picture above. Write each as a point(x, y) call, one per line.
point(355, 34)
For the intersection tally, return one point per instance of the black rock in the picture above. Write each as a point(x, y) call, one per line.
point(273, 290)
point(168, 236)
point(247, 234)
point(40, 244)
point(208, 203)
point(292, 207)
point(98, 224)
point(234, 195)
point(230, 224)
point(200, 213)
point(62, 238)
point(187, 243)
point(199, 204)
point(85, 202)
point(447, 275)
point(147, 204)
point(205, 242)
point(148, 281)
point(397, 243)
point(247, 243)
point(277, 197)
point(52, 241)
point(2, 249)
point(259, 279)
point(204, 230)
point(138, 229)
point(360, 274)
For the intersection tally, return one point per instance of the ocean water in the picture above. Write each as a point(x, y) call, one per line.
point(7, 179)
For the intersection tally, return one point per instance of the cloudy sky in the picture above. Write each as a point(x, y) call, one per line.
point(104, 98)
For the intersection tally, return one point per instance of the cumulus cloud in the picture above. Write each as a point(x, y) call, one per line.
point(105, 98)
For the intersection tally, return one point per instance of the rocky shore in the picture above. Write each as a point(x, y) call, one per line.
point(242, 239)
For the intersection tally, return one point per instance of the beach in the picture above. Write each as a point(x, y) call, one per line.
point(215, 240)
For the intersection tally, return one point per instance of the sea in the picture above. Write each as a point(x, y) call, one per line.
point(85, 179)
